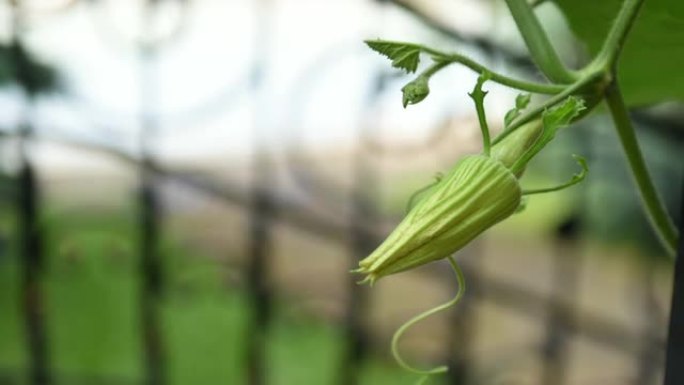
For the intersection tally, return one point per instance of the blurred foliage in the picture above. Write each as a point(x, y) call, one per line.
point(650, 72)
point(651, 68)
point(614, 209)
point(18, 66)
point(607, 203)
point(7, 185)
point(92, 314)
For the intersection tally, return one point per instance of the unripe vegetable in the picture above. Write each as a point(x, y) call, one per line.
point(476, 194)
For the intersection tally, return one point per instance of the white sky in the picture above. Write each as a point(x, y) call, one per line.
point(198, 82)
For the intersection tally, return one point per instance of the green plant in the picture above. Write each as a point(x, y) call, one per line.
point(484, 189)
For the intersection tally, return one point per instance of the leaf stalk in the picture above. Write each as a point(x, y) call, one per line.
point(615, 41)
point(537, 41)
point(653, 205)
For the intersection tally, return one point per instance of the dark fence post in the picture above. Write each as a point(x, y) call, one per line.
point(31, 250)
point(355, 329)
point(151, 275)
point(362, 244)
point(674, 367)
point(356, 339)
point(258, 285)
point(149, 214)
point(261, 212)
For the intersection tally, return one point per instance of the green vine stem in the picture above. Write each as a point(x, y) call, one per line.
point(541, 50)
point(522, 85)
point(615, 41)
point(405, 56)
point(654, 207)
point(433, 69)
point(400, 332)
point(539, 88)
point(607, 60)
point(478, 96)
point(536, 112)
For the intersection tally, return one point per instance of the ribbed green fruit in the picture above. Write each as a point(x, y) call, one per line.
point(476, 194)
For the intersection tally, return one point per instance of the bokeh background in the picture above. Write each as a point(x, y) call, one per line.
point(185, 185)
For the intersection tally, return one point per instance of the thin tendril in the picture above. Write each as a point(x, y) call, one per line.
point(577, 178)
point(402, 329)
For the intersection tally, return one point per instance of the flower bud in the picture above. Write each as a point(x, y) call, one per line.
point(476, 194)
point(518, 148)
point(415, 91)
point(517, 144)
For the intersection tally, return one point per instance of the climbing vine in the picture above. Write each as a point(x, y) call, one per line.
point(484, 189)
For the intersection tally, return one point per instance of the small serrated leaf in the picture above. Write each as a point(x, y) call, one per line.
point(562, 114)
point(521, 102)
point(405, 56)
point(558, 117)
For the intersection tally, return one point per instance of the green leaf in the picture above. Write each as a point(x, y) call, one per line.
point(521, 102)
point(561, 115)
point(552, 120)
point(405, 56)
point(651, 68)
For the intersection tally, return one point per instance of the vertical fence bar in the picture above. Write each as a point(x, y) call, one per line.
point(31, 248)
point(32, 255)
point(149, 220)
point(261, 210)
point(560, 318)
point(355, 330)
point(258, 286)
point(151, 275)
point(674, 366)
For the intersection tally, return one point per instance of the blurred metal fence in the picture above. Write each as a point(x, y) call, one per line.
point(562, 319)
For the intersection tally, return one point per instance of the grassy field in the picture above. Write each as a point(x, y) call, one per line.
point(91, 285)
